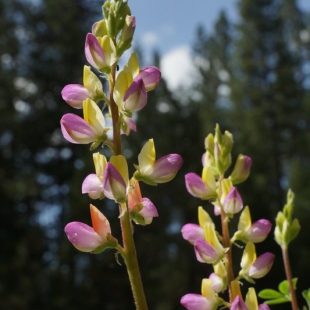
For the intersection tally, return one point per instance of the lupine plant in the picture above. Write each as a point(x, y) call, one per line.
point(115, 103)
point(215, 247)
point(125, 95)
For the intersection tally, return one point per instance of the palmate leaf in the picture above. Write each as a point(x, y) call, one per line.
point(277, 301)
point(269, 293)
point(278, 297)
point(306, 295)
point(274, 297)
point(284, 287)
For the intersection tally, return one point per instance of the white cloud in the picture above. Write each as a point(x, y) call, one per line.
point(177, 67)
point(149, 39)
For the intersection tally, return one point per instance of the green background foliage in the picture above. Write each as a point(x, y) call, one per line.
point(253, 81)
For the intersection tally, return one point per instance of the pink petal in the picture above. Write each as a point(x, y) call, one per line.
point(195, 185)
point(259, 230)
point(233, 202)
point(192, 232)
point(92, 186)
point(135, 97)
point(76, 130)
point(83, 237)
point(206, 251)
point(75, 94)
point(165, 168)
point(94, 52)
point(114, 186)
point(261, 266)
point(195, 302)
point(151, 77)
point(238, 304)
point(217, 283)
point(148, 211)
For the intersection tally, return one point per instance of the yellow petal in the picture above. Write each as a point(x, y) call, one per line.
point(123, 81)
point(203, 217)
point(208, 179)
point(245, 220)
point(212, 238)
point(207, 290)
point(94, 116)
point(248, 256)
point(147, 156)
point(91, 81)
point(120, 163)
point(109, 50)
point(100, 163)
point(226, 185)
point(132, 65)
point(251, 299)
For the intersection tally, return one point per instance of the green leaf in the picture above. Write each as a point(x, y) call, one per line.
point(306, 295)
point(284, 287)
point(277, 301)
point(269, 293)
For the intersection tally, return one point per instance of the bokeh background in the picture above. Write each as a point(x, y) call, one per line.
point(246, 67)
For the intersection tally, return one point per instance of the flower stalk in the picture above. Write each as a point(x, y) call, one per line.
point(131, 261)
point(289, 277)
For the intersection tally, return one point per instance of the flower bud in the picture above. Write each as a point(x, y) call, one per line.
point(286, 229)
point(125, 39)
point(241, 170)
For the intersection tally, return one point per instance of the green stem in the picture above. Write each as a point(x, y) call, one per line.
point(131, 261)
point(288, 272)
point(129, 253)
point(228, 256)
point(115, 114)
point(227, 244)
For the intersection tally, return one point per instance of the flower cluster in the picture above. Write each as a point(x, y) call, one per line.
point(215, 248)
point(127, 93)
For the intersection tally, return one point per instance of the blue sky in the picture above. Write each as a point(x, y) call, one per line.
point(170, 25)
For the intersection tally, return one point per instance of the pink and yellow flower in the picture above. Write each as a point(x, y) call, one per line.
point(152, 171)
point(93, 239)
